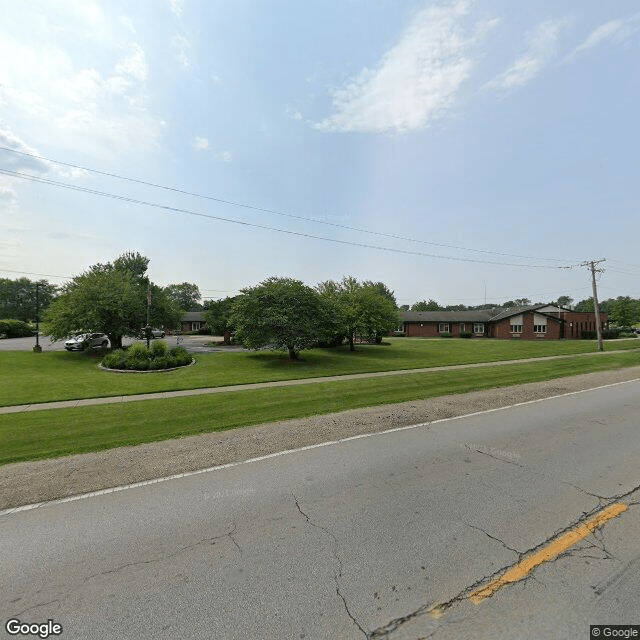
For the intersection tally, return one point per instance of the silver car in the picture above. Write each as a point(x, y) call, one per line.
point(87, 341)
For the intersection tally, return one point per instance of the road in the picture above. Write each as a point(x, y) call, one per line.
point(385, 536)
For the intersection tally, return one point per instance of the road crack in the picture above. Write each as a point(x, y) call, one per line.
point(337, 574)
point(504, 544)
point(436, 610)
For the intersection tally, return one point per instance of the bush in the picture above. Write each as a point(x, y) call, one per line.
point(137, 350)
point(159, 349)
point(16, 329)
point(466, 334)
point(115, 360)
point(399, 334)
point(609, 334)
point(138, 358)
point(627, 334)
point(181, 356)
point(445, 334)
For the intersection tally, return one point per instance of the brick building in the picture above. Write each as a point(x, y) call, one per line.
point(538, 322)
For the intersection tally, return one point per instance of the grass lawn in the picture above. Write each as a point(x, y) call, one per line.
point(27, 377)
point(53, 433)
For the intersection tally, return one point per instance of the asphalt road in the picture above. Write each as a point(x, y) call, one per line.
point(361, 538)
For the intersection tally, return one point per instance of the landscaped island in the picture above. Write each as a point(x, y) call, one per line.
point(138, 357)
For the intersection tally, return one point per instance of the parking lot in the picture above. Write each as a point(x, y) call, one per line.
point(193, 344)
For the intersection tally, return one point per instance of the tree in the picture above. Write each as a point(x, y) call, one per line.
point(110, 298)
point(624, 311)
point(280, 313)
point(18, 298)
point(403, 307)
point(186, 294)
point(383, 290)
point(423, 305)
point(585, 305)
point(218, 317)
point(359, 309)
point(522, 302)
point(564, 301)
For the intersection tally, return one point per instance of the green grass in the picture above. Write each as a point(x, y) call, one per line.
point(53, 433)
point(27, 377)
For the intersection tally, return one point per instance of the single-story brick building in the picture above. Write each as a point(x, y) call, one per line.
point(544, 321)
point(192, 321)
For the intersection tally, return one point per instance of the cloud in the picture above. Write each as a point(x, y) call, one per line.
point(201, 144)
point(541, 50)
point(616, 31)
point(225, 156)
point(19, 161)
point(182, 47)
point(8, 195)
point(57, 98)
point(176, 7)
point(416, 82)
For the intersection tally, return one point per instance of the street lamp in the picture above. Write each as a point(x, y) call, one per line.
point(37, 348)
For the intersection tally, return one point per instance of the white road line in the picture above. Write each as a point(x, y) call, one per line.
point(229, 465)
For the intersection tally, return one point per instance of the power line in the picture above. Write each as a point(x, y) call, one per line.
point(180, 210)
point(271, 211)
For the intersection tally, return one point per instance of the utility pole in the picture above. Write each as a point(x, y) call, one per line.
point(592, 265)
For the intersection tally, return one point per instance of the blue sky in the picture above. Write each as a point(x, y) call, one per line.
point(474, 146)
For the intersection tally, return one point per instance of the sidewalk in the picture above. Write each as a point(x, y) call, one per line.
point(87, 402)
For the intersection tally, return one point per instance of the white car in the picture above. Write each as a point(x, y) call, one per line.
point(87, 341)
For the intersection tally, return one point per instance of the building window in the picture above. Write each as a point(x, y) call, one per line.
point(195, 325)
point(478, 327)
point(516, 328)
point(443, 327)
point(540, 328)
point(462, 328)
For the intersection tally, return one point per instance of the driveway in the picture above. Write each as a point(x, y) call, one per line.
point(194, 344)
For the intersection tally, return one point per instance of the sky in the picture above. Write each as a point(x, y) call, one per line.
point(467, 151)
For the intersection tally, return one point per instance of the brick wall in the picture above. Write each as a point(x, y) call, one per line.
point(502, 329)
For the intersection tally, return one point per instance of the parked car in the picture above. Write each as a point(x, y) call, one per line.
point(87, 341)
point(155, 333)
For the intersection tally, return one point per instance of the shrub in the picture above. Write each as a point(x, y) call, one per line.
point(445, 334)
point(16, 329)
point(138, 358)
point(180, 355)
point(608, 334)
point(466, 334)
point(115, 360)
point(137, 350)
point(627, 334)
point(399, 334)
point(159, 349)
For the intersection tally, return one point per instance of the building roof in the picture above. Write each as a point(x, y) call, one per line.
point(190, 316)
point(474, 315)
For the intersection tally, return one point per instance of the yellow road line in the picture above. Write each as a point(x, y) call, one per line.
point(551, 551)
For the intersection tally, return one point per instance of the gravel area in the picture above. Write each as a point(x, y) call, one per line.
point(31, 482)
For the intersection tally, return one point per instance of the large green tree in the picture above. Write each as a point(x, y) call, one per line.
point(111, 298)
point(186, 294)
point(360, 309)
point(280, 313)
point(18, 298)
point(624, 311)
point(217, 315)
